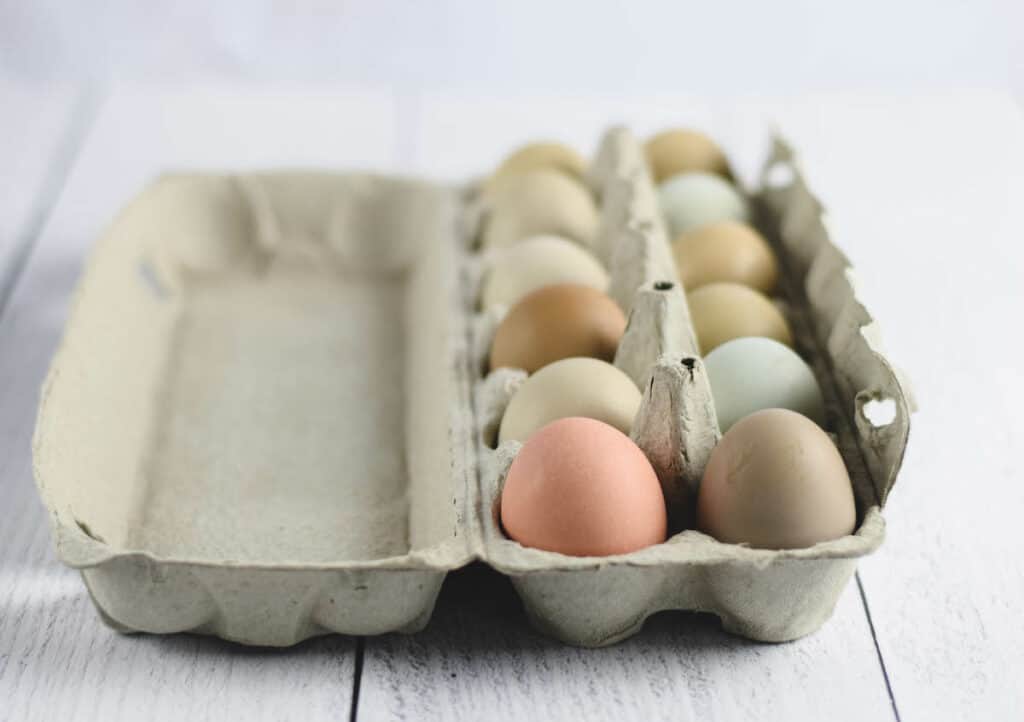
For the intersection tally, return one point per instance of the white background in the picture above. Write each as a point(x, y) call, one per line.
point(616, 46)
point(906, 121)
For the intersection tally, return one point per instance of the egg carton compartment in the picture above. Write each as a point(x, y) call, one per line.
point(769, 595)
point(269, 417)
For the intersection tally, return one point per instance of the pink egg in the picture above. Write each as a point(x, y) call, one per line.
point(583, 488)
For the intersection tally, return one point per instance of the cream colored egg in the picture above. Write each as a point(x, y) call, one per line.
point(540, 202)
point(536, 156)
point(682, 151)
point(536, 262)
point(584, 387)
point(692, 200)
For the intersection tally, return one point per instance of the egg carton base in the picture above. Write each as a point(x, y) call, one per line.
point(103, 417)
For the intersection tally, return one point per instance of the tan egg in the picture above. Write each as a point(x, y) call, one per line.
point(536, 262)
point(537, 156)
point(725, 251)
point(571, 387)
point(540, 202)
point(776, 481)
point(683, 151)
point(721, 312)
point(583, 488)
point(557, 322)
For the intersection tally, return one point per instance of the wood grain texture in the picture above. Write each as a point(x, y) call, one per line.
point(923, 192)
point(926, 195)
point(479, 659)
point(57, 661)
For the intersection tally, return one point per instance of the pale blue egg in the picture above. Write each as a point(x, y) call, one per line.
point(754, 373)
point(692, 200)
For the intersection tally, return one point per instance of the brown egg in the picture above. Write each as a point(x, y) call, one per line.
point(726, 251)
point(683, 151)
point(535, 156)
point(776, 481)
point(580, 487)
point(723, 311)
point(557, 322)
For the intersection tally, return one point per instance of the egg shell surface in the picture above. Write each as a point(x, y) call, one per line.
point(682, 150)
point(583, 387)
point(721, 312)
point(727, 251)
point(557, 322)
point(692, 200)
point(535, 262)
point(538, 155)
point(583, 488)
point(776, 481)
point(753, 373)
point(537, 202)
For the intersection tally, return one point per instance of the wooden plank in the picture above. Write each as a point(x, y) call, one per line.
point(927, 196)
point(57, 660)
point(478, 658)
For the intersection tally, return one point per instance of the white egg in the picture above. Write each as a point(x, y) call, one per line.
point(585, 387)
point(692, 200)
point(537, 262)
point(753, 373)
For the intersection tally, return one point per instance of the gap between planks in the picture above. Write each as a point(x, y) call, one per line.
point(357, 678)
point(410, 108)
point(82, 118)
point(64, 186)
point(878, 649)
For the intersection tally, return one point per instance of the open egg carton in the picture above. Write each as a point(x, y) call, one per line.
point(270, 416)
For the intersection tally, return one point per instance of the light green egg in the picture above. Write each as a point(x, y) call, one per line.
point(754, 373)
point(692, 200)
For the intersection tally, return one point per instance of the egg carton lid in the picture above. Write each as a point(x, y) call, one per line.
point(156, 433)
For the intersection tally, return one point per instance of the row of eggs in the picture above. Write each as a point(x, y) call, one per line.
point(579, 485)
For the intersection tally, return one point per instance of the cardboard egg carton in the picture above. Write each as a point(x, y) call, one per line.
point(269, 417)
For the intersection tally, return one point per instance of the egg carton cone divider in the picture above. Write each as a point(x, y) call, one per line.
point(269, 417)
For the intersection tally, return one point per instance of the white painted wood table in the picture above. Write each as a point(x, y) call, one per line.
point(928, 196)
